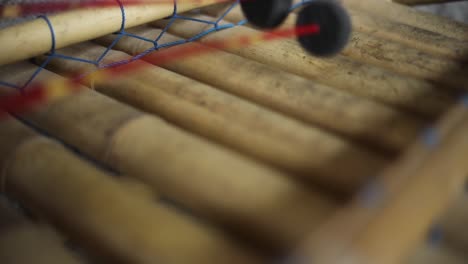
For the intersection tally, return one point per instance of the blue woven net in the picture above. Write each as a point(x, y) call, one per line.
point(157, 44)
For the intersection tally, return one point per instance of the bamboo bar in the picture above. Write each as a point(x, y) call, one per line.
point(221, 185)
point(254, 130)
point(422, 2)
point(339, 72)
point(408, 16)
point(295, 96)
point(401, 204)
point(102, 214)
point(408, 61)
point(410, 35)
point(22, 241)
point(34, 38)
point(394, 56)
point(137, 188)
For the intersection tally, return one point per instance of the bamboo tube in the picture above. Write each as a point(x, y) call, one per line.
point(435, 255)
point(22, 241)
point(405, 60)
point(264, 134)
point(295, 96)
point(136, 187)
point(393, 56)
point(33, 38)
point(340, 72)
point(390, 216)
point(422, 2)
point(210, 180)
point(100, 213)
point(410, 35)
point(409, 16)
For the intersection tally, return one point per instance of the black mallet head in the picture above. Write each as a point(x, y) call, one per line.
point(334, 28)
point(266, 14)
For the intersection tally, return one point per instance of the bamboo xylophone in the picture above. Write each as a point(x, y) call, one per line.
point(250, 154)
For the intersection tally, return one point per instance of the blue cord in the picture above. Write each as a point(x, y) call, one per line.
point(120, 34)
